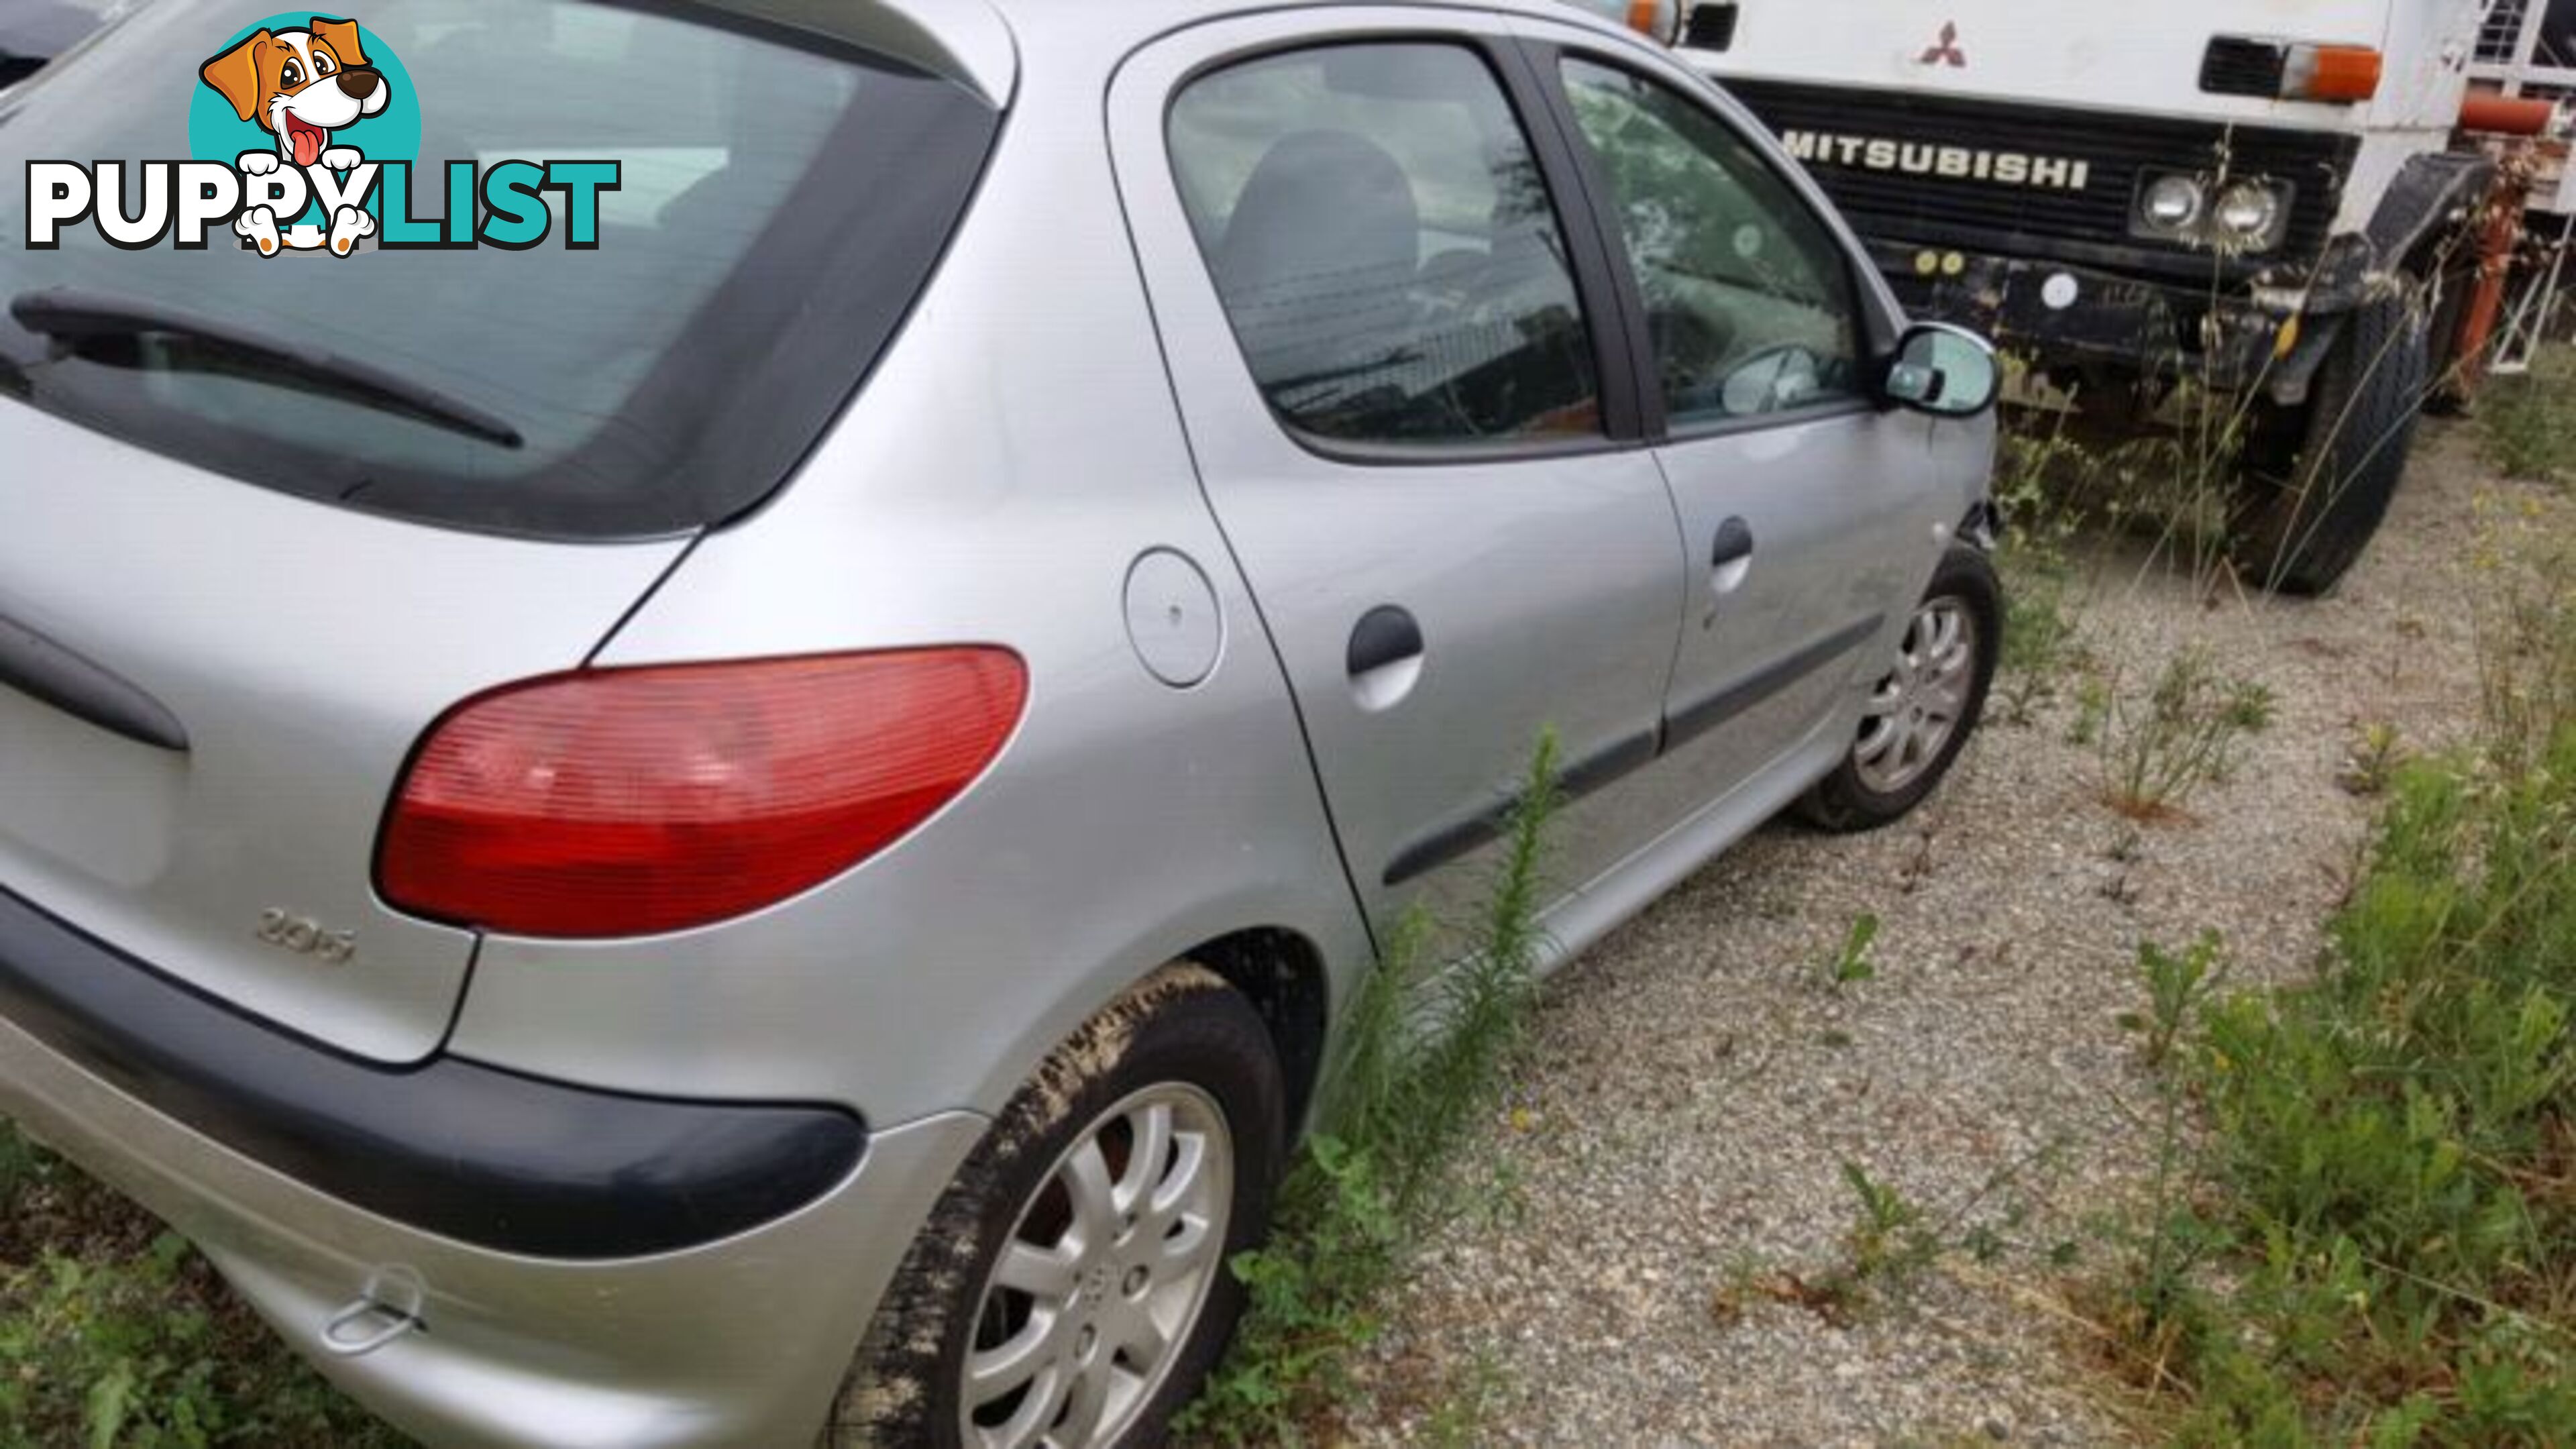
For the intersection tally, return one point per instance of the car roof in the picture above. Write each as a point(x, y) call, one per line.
point(1142, 20)
point(979, 43)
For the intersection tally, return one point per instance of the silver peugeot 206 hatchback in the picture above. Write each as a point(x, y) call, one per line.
point(704, 705)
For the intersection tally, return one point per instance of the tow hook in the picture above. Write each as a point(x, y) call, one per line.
point(386, 1309)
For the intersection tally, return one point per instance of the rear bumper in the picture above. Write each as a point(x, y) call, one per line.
point(2075, 314)
point(493, 1158)
point(739, 1339)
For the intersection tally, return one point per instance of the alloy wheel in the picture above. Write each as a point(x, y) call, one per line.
point(1095, 1293)
point(1916, 709)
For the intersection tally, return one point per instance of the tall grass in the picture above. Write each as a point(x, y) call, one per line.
point(1418, 1063)
point(2385, 1249)
point(2530, 421)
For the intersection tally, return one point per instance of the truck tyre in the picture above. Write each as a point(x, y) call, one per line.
point(2302, 535)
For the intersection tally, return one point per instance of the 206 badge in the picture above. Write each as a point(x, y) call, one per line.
point(307, 937)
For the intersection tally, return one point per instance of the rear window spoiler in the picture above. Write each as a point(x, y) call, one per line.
point(964, 41)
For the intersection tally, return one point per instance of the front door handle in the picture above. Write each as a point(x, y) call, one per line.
point(1734, 543)
point(1730, 561)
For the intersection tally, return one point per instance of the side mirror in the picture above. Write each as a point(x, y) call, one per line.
point(1949, 372)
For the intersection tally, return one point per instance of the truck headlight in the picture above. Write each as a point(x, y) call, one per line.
point(2246, 215)
point(2172, 203)
point(2249, 215)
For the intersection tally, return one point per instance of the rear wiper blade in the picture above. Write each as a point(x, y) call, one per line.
point(73, 315)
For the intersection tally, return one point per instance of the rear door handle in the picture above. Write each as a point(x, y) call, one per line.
point(1384, 658)
point(1734, 543)
point(1385, 636)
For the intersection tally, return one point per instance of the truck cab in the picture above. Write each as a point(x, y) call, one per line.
point(2268, 200)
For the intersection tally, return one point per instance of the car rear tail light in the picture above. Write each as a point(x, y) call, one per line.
point(623, 802)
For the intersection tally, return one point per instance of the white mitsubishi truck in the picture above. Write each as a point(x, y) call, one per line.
point(2272, 197)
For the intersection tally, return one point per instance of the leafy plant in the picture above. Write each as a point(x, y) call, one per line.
point(149, 1352)
point(2529, 422)
point(1889, 1234)
point(2370, 763)
point(2092, 711)
point(2156, 750)
point(1851, 961)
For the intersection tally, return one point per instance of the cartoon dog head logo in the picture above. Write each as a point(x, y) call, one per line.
point(302, 85)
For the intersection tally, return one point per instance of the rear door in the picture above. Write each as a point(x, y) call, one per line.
point(1396, 368)
point(1810, 516)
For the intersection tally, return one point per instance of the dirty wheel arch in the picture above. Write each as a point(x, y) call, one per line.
point(1184, 1024)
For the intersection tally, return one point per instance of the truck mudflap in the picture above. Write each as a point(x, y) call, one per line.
point(2433, 196)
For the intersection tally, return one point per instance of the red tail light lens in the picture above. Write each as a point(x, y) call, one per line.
point(622, 802)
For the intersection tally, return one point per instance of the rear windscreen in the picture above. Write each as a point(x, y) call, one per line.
point(780, 201)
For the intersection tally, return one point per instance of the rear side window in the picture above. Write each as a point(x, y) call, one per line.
point(782, 201)
point(1385, 247)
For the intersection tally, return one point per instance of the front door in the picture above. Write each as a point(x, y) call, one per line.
point(1810, 516)
point(1387, 344)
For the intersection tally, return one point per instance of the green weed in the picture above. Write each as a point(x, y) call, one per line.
point(1889, 1234)
point(2382, 1246)
point(2529, 422)
point(2156, 749)
point(1418, 1064)
point(2092, 712)
point(148, 1351)
point(2527, 656)
point(1851, 962)
point(1463, 1416)
point(2370, 762)
point(2035, 460)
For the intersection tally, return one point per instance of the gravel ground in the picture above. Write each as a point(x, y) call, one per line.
point(1696, 1088)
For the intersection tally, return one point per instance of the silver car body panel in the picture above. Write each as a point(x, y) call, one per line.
point(1546, 587)
point(726, 1345)
point(303, 647)
point(1848, 511)
point(1012, 457)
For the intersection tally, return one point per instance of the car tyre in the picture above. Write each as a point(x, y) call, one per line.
point(2303, 535)
point(1923, 710)
point(1183, 1046)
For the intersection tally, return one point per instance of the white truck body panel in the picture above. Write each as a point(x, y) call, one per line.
point(2136, 59)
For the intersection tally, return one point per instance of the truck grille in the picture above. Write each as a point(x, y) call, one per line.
point(2088, 224)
